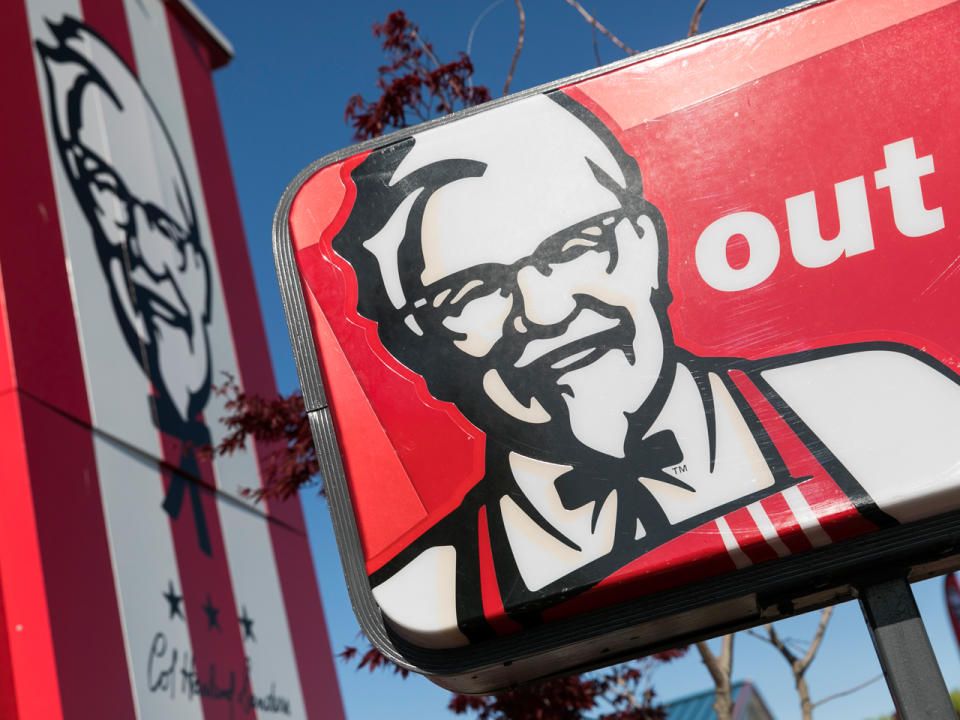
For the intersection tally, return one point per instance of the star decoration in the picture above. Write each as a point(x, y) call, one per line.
point(247, 625)
point(212, 613)
point(174, 601)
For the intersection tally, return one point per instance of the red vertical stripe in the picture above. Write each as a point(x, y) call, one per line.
point(78, 588)
point(699, 553)
point(8, 698)
point(836, 513)
point(785, 523)
point(81, 595)
point(749, 537)
point(294, 565)
point(31, 672)
point(109, 19)
point(218, 651)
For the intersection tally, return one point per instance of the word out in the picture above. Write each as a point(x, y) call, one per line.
point(810, 249)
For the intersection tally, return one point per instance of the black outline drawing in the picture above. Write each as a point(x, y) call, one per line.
point(415, 335)
point(127, 272)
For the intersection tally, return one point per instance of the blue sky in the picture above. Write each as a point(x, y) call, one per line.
point(282, 100)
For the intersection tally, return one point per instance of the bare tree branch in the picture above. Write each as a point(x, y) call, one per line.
point(425, 47)
point(596, 50)
point(817, 639)
point(625, 691)
point(850, 691)
point(476, 23)
point(774, 639)
point(720, 669)
point(596, 23)
point(516, 53)
point(799, 666)
point(695, 20)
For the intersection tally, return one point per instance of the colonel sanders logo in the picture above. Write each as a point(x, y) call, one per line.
point(512, 260)
point(127, 178)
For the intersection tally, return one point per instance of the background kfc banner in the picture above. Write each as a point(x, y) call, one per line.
point(137, 580)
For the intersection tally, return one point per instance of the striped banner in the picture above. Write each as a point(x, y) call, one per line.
point(135, 579)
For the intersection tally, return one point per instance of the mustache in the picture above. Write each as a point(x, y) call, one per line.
point(545, 352)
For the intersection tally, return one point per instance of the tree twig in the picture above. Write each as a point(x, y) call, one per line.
point(774, 639)
point(473, 30)
point(625, 690)
point(798, 665)
point(425, 47)
point(817, 638)
point(596, 50)
point(861, 686)
point(596, 23)
point(720, 668)
point(695, 20)
point(476, 23)
point(516, 53)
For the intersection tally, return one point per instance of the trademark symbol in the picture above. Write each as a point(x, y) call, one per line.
point(679, 469)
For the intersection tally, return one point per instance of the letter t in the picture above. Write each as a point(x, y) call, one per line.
point(902, 175)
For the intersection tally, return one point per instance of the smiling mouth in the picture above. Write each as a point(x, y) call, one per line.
point(588, 337)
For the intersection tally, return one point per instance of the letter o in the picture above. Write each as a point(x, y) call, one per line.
point(711, 252)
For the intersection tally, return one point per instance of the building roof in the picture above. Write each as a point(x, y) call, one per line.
point(220, 49)
point(747, 705)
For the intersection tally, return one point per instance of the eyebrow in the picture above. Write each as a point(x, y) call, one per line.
point(463, 281)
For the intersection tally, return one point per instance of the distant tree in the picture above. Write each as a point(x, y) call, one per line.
point(413, 82)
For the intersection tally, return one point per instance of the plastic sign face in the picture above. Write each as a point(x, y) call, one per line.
point(669, 347)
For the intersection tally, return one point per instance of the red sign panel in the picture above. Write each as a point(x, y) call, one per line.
point(684, 323)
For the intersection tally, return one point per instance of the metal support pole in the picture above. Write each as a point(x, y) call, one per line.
point(901, 642)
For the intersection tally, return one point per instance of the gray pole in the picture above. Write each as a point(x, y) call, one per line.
point(907, 659)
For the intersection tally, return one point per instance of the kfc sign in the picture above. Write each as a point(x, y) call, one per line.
point(901, 175)
point(650, 354)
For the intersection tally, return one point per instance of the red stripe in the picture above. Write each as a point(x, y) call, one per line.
point(8, 697)
point(837, 515)
point(78, 589)
point(205, 579)
point(294, 565)
point(490, 595)
point(32, 670)
point(833, 509)
point(786, 523)
point(82, 598)
point(699, 553)
point(749, 537)
point(109, 19)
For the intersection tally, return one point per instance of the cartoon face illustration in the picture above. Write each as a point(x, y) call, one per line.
point(136, 199)
point(539, 311)
point(512, 260)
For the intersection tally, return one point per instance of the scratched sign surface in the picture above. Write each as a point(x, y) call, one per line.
point(682, 318)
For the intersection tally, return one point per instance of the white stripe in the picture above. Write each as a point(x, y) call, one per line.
point(145, 566)
point(767, 529)
point(250, 556)
point(739, 558)
point(806, 517)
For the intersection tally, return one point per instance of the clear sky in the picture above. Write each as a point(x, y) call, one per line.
point(282, 100)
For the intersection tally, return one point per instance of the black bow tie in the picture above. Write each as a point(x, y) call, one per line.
point(645, 458)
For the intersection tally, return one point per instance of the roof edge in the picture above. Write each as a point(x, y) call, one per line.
point(221, 49)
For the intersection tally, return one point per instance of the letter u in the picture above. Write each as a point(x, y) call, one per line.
point(854, 237)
